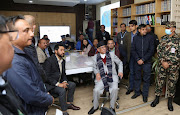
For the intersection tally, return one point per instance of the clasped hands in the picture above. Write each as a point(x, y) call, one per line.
point(98, 76)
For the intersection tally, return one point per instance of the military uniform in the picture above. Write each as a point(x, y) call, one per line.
point(168, 51)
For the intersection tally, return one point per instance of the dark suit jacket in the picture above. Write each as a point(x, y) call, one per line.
point(50, 51)
point(100, 36)
point(127, 44)
point(51, 68)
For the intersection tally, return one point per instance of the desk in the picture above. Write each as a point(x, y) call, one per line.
point(77, 63)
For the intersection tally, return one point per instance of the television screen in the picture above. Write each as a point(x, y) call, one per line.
point(54, 32)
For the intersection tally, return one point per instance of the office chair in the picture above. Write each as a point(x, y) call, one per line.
point(124, 84)
point(106, 111)
point(106, 97)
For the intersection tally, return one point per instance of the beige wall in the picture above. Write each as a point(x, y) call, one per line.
point(48, 18)
point(98, 6)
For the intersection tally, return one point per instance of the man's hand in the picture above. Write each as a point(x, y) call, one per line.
point(165, 65)
point(61, 85)
point(120, 75)
point(65, 84)
point(140, 62)
point(98, 77)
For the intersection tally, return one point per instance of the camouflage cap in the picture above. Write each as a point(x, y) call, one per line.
point(170, 24)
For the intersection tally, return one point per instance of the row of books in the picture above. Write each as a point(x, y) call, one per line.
point(126, 21)
point(166, 5)
point(115, 21)
point(165, 18)
point(127, 11)
point(148, 19)
point(146, 8)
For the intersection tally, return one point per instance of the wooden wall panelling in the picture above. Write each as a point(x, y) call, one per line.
point(48, 18)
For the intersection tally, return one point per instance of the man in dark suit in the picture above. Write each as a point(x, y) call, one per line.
point(56, 77)
point(128, 40)
point(103, 35)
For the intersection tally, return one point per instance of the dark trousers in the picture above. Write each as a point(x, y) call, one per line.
point(63, 97)
point(132, 73)
point(90, 34)
point(146, 78)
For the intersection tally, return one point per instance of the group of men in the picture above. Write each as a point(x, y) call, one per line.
point(27, 76)
point(36, 75)
point(138, 47)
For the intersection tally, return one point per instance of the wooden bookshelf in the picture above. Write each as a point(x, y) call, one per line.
point(144, 14)
point(158, 28)
point(145, 2)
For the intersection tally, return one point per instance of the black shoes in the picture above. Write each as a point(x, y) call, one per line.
point(65, 113)
point(135, 96)
point(170, 106)
point(129, 91)
point(112, 109)
point(155, 102)
point(92, 110)
point(145, 99)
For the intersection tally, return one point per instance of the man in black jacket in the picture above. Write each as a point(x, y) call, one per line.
point(142, 51)
point(103, 35)
point(155, 37)
point(56, 77)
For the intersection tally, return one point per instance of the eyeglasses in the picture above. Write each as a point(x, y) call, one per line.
point(8, 31)
point(11, 38)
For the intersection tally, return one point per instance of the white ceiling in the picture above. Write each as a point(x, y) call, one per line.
point(60, 2)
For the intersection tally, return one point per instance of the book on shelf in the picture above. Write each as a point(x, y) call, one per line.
point(147, 19)
point(166, 5)
point(126, 21)
point(115, 12)
point(127, 11)
point(145, 8)
point(115, 21)
point(115, 31)
point(165, 18)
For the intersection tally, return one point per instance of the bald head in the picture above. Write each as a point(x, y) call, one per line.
point(31, 20)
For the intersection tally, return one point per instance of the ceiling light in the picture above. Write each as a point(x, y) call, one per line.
point(30, 1)
point(85, 0)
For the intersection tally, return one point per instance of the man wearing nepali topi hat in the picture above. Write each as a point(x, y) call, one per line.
point(104, 68)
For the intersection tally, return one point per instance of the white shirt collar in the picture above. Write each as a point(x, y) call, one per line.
point(59, 60)
point(103, 55)
point(2, 82)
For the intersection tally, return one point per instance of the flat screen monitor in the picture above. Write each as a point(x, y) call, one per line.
point(54, 32)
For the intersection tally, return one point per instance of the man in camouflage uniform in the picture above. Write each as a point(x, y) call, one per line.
point(168, 54)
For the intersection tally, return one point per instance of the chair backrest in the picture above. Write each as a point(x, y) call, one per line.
point(107, 111)
point(72, 45)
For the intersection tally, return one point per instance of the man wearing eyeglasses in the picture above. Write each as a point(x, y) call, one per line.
point(31, 50)
point(7, 95)
point(23, 75)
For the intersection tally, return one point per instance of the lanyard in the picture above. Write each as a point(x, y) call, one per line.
point(122, 35)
